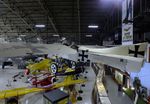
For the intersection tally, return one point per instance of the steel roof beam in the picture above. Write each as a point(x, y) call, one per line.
point(47, 11)
point(17, 14)
point(9, 24)
point(79, 24)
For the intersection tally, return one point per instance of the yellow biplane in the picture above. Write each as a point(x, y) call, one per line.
point(68, 80)
point(46, 65)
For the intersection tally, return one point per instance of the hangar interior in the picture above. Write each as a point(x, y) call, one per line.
point(74, 51)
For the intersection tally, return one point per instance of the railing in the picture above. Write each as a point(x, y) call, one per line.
point(102, 96)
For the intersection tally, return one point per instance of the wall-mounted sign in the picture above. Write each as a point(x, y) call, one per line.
point(127, 22)
point(127, 34)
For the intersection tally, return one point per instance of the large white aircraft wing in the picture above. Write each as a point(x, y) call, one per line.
point(21, 49)
point(55, 49)
point(136, 50)
point(13, 49)
point(124, 63)
point(127, 58)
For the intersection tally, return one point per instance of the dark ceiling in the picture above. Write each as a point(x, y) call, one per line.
point(68, 18)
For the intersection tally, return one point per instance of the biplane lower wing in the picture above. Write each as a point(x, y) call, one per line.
point(18, 92)
point(25, 90)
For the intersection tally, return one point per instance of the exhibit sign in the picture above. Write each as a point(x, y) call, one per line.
point(127, 22)
point(119, 77)
point(127, 34)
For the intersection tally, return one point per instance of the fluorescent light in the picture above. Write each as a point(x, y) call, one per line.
point(56, 35)
point(23, 35)
point(40, 26)
point(88, 35)
point(93, 26)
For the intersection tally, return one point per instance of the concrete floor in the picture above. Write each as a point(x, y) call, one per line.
point(33, 98)
point(37, 98)
point(6, 78)
point(115, 96)
point(87, 90)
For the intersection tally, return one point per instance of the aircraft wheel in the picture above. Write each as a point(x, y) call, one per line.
point(54, 68)
point(53, 79)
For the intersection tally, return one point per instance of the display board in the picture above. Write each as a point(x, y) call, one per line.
point(119, 77)
point(127, 22)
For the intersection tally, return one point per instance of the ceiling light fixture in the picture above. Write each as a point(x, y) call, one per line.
point(23, 35)
point(93, 26)
point(56, 35)
point(40, 26)
point(89, 36)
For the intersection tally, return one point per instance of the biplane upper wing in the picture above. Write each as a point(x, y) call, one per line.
point(13, 49)
point(56, 49)
point(125, 63)
point(21, 49)
point(127, 58)
point(135, 50)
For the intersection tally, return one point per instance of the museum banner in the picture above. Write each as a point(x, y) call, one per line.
point(127, 22)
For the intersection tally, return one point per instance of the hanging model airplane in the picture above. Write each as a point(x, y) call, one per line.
point(47, 65)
